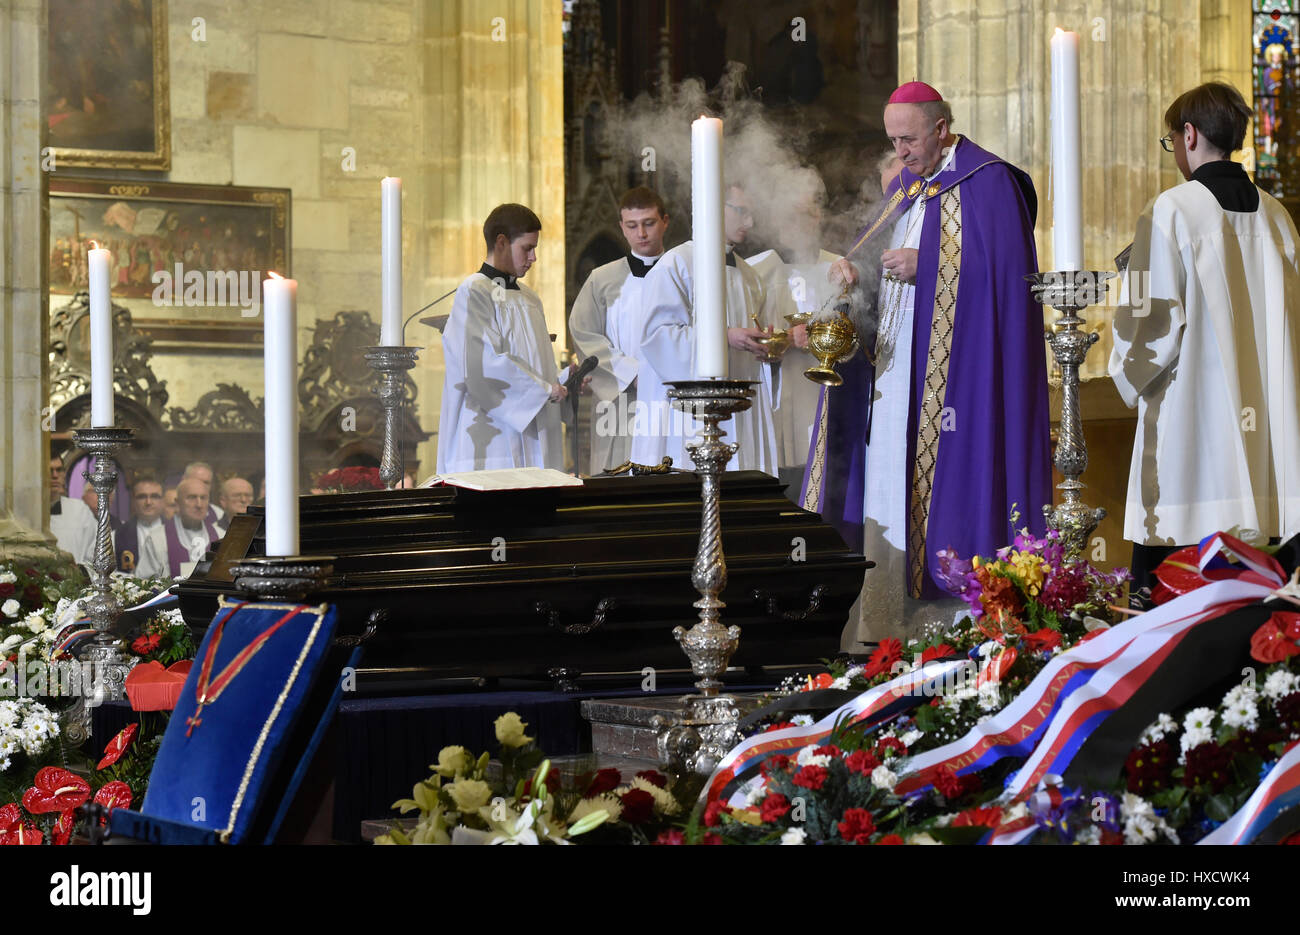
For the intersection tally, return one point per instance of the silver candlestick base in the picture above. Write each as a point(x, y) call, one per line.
point(109, 665)
point(282, 578)
point(1069, 292)
point(706, 729)
point(391, 362)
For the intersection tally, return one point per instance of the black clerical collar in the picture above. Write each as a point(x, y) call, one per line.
point(638, 266)
point(1229, 184)
point(57, 509)
point(731, 257)
point(491, 272)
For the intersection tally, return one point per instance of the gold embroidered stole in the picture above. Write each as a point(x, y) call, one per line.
point(936, 381)
point(813, 495)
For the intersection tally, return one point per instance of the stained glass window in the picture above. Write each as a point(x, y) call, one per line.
point(1276, 27)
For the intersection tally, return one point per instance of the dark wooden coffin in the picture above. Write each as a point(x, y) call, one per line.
point(589, 579)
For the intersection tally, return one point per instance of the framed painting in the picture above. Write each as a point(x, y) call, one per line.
point(189, 260)
point(106, 84)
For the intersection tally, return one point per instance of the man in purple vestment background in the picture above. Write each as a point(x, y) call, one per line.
point(958, 434)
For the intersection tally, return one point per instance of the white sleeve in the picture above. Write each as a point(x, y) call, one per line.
point(668, 331)
point(588, 327)
point(497, 379)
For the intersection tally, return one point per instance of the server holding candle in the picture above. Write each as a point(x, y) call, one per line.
point(695, 321)
point(958, 429)
point(1207, 339)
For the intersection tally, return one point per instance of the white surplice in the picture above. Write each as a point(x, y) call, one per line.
point(1210, 360)
point(668, 353)
point(76, 529)
point(791, 287)
point(496, 389)
point(603, 323)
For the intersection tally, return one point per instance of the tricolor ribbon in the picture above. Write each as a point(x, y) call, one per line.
point(1279, 791)
point(875, 703)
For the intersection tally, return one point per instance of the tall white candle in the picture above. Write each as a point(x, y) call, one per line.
point(707, 236)
point(390, 332)
point(280, 373)
point(100, 261)
point(1067, 170)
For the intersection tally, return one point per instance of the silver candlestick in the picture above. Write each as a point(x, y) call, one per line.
point(706, 729)
point(1069, 292)
point(100, 604)
point(391, 362)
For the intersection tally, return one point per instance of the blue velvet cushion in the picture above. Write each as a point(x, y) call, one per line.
point(216, 777)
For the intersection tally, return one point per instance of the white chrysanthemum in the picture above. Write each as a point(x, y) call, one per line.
point(990, 696)
point(802, 720)
point(665, 804)
point(1141, 823)
point(1160, 728)
point(1089, 835)
point(853, 672)
point(883, 778)
point(1238, 695)
point(1198, 718)
point(911, 737)
point(841, 683)
point(794, 836)
point(1243, 714)
point(606, 803)
point(1279, 684)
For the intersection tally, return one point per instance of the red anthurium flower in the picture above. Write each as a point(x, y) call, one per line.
point(997, 666)
point(821, 681)
point(56, 790)
point(113, 795)
point(63, 827)
point(1042, 640)
point(117, 746)
point(1272, 642)
point(24, 833)
point(11, 817)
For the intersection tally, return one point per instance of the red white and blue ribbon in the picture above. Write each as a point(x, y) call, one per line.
point(874, 702)
point(1279, 791)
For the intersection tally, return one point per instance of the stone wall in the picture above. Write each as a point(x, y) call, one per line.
point(464, 109)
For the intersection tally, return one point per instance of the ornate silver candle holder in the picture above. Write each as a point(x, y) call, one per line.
point(1069, 292)
point(391, 362)
point(100, 604)
point(282, 578)
point(706, 729)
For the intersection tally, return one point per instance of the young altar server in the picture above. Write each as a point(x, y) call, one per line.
point(603, 324)
point(501, 385)
point(668, 345)
point(1206, 345)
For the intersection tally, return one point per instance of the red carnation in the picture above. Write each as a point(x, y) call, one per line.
point(1272, 642)
point(638, 806)
point(604, 780)
point(779, 725)
point(777, 762)
point(56, 790)
point(978, 818)
point(144, 645)
point(774, 806)
point(811, 777)
point(671, 836)
point(828, 750)
point(714, 811)
point(654, 777)
point(6, 589)
point(890, 839)
point(117, 746)
point(32, 594)
point(948, 782)
point(711, 838)
point(861, 761)
point(890, 743)
point(858, 826)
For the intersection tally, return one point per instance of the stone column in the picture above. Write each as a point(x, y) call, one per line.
point(24, 447)
point(493, 133)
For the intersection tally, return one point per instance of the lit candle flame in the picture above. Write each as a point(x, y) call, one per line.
point(94, 245)
point(273, 274)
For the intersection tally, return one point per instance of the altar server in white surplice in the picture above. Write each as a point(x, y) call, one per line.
point(604, 323)
point(501, 389)
point(1207, 338)
point(668, 346)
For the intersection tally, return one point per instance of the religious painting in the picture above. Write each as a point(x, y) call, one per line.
point(1276, 74)
point(193, 256)
point(106, 84)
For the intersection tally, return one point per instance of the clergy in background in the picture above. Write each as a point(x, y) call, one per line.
point(797, 279)
point(604, 320)
point(1206, 347)
point(668, 352)
point(142, 541)
point(501, 383)
point(958, 436)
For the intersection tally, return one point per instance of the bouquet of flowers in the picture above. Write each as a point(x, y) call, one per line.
point(349, 480)
point(465, 802)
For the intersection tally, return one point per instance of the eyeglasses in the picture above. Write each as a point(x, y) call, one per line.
point(1167, 142)
point(743, 212)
